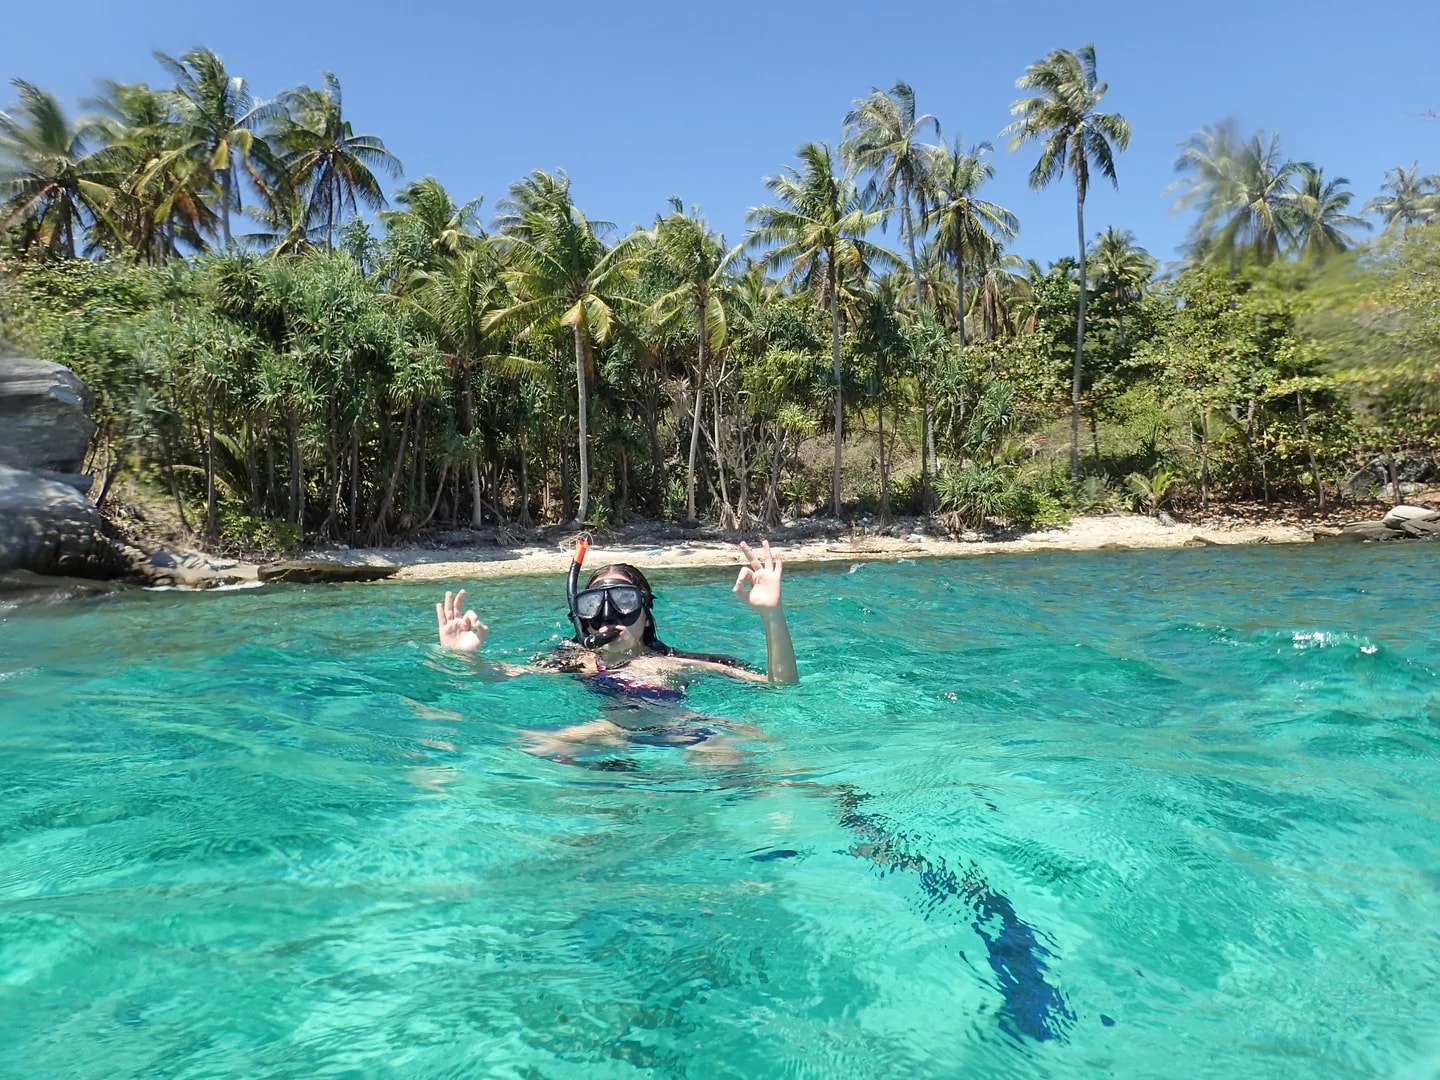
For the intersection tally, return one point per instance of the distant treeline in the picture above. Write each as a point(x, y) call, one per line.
point(325, 377)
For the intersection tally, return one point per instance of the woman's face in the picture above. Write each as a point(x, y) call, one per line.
point(630, 639)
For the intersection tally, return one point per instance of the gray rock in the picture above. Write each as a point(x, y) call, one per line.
point(43, 421)
point(81, 482)
point(1357, 532)
point(1398, 515)
point(50, 528)
point(1374, 478)
point(1422, 528)
point(22, 588)
point(312, 571)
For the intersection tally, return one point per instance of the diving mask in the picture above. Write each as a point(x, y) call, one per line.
point(619, 603)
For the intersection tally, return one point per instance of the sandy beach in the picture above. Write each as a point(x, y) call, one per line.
point(811, 543)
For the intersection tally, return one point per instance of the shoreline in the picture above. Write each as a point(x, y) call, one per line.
point(1108, 532)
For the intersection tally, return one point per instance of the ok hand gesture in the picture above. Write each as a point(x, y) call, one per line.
point(463, 633)
point(759, 581)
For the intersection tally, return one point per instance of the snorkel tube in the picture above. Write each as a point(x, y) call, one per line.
point(572, 590)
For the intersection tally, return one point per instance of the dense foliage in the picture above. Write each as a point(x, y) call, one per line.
point(336, 377)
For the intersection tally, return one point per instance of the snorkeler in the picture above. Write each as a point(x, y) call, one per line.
point(614, 625)
point(617, 651)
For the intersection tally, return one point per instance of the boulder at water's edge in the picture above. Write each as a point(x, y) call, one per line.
point(47, 525)
point(43, 418)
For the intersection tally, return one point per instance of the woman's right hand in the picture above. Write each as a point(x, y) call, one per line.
point(463, 633)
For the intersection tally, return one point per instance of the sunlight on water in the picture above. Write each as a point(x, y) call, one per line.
point(1139, 814)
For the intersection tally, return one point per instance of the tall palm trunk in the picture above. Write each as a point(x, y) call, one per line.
point(392, 485)
point(695, 421)
point(1079, 339)
point(884, 472)
point(910, 245)
point(582, 397)
point(839, 391)
point(524, 520)
point(1310, 452)
point(727, 516)
point(477, 511)
point(927, 410)
point(225, 206)
point(353, 509)
point(210, 467)
point(297, 474)
point(960, 295)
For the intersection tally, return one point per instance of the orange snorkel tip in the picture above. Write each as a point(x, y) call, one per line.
point(581, 547)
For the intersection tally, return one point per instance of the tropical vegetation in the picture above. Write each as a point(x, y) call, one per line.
point(292, 350)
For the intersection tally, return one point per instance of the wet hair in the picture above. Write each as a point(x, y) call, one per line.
point(652, 642)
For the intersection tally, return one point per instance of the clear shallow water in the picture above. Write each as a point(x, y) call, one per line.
point(1136, 814)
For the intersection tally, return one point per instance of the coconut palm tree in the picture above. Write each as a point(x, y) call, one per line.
point(1064, 118)
point(817, 234)
point(562, 277)
point(1122, 270)
point(882, 139)
point(1319, 217)
point(969, 229)
point(325, 160)
point(431, 213)
point(1410, 198)
point(51, 185)
point(1003, 298)
point(456, 298)
point(284, 214)
point(164, 194)
point(222, 118)
point(1245, 190)
point(696, 258)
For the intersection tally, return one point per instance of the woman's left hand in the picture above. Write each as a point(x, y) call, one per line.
point(759, 581)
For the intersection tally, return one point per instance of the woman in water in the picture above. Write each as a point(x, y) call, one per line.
point(617, 651)
point(615, 626)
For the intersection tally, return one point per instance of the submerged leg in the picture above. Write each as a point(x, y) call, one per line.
point(1032, 1006)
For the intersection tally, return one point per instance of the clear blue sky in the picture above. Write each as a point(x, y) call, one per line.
point(640, 101)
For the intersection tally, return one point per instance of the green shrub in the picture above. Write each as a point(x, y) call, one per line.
point(602, 517)
point(673, 501)
point(242, 533)
point(978, 493)
point(1041, 510)
point(1149, 493)
point(1094, 494)
point(905, 496)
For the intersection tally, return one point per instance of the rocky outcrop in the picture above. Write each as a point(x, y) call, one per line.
point(44, 417)
point(1411, 472)
point(318, 570)
point(47, 525)
point(1400, 523)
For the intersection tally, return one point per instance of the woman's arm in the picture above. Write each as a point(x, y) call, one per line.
point(759, 586)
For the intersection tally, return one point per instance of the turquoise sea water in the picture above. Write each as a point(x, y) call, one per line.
point(1119, 814)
